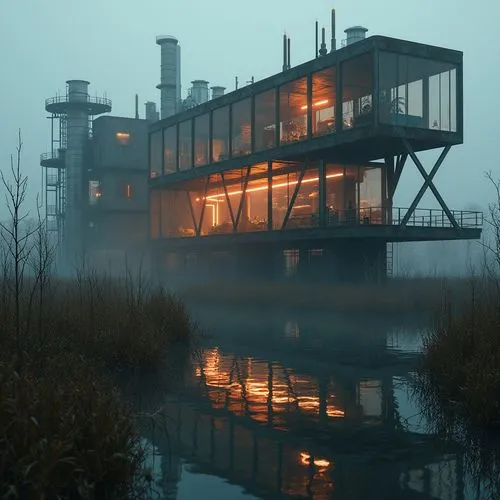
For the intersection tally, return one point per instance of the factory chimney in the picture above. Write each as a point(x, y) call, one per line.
point(170, 82)
point(217, 91)
point(199, 91)
point(151, 113)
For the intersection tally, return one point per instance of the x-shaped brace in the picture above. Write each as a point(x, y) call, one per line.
point(427, 184)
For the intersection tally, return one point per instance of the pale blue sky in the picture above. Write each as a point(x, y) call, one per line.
point(112, 44)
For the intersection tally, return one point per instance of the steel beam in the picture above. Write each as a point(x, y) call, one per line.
point(400, 163)
point(193, 216)
point(198, 227)
point(294, 197)
point(428, 184)
point(240, 208)
point(228, 201)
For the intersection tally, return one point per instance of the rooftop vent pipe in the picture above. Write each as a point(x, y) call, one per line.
point(334, 41)
point(218, 91)
point(355, 34)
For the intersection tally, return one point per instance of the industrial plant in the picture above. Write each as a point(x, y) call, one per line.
point(294, 174)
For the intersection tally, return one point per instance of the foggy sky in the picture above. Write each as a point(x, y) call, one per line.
point(111, 43)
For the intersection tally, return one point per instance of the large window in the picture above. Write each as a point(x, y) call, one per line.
point(155, 154)
point(265, 121)
point(417, 92)
point(241, 132)
point(220, 134)
point(176, 219)
point(185, 145)
point(357, 90)
point(170, 150)
point(201, 140)
point(293, 111)
point(370, 195)
point(324, 96)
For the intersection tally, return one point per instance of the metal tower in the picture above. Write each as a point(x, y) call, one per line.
point(64, 164)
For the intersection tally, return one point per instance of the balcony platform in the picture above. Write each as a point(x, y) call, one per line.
point(425, 225)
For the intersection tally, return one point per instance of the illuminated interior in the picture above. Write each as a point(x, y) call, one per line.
point(238, 200)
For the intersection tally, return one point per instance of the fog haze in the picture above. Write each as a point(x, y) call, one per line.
point(112, 44)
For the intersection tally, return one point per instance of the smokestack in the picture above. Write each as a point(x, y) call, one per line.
point(288, 57)
point(317, 40)
point(355, 34)
point(323, 51)
point(151, 113)
point(199, 91)
point(217, 91)
point(136, 106)
point(284, 52)
point(334, 41)
point(170, 74)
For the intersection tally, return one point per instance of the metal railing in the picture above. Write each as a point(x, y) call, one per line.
point(88, 100)
point(395, 216)
point(53, 155)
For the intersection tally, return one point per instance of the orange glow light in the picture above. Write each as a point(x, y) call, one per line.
point(264, 188)
point(319, 103)
point(321, 463)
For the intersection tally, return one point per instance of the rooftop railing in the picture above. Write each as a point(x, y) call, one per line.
point(104, 101)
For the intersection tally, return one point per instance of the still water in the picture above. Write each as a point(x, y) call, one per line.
point(281, 405)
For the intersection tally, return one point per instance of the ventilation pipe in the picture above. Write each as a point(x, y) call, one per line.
point(355, 34)
point(199, 91)
point(323, 50)
point(217, 91)
point(334, 41)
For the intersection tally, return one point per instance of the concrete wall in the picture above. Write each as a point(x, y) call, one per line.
point(109, 152)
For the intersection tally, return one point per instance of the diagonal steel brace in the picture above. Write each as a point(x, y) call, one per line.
point(427, 184)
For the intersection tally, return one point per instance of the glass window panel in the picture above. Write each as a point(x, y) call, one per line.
point(417, 92)
point(334, 194)
point(201, 140)
point(293, 111)
point(176, 218)
point(170, 150)
point(324, 96)
point(217, 216)
point(255, 204)
point(305, 210)
point(220, 134)
point(154, 214)
point(265, 120)
point(241, 133)
point(155, 154)
point(370, 195)
point(357, 89)
point(185, 145)
point(283, 188)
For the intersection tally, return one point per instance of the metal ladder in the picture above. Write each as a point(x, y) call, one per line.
point(389, 262)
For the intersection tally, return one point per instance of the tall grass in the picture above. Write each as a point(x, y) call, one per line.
point(462, 355)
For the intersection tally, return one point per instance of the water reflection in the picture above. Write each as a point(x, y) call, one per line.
point(320, 419)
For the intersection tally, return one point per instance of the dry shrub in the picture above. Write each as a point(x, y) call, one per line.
point(462, 355)
point(65, 437)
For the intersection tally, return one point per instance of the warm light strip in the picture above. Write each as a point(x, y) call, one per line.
point(264, 188)
point(319, 103)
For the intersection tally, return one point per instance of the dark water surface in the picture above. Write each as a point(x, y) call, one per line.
point(319, 406)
